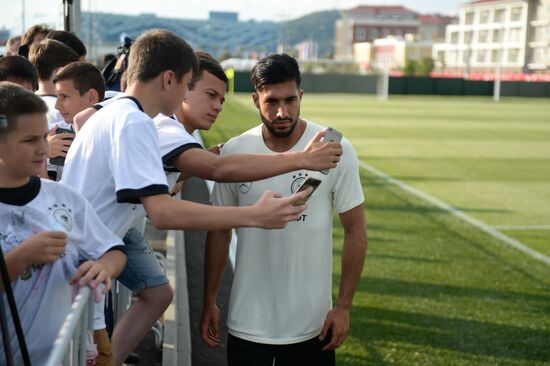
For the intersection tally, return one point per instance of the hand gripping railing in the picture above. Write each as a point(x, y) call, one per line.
point(72, 342)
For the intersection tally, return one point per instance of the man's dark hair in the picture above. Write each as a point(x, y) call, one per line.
point(275, 69)
point(159, 50)
point(15, 101)
point(48, 55)
point(84, 75)
point(70, 39)
point(209, 64)
point(18, 68)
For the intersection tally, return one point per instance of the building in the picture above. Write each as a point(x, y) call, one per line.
point(511, 34)
point(539, 43)
point(433, 26)
point(367, 23)
point(393, 53)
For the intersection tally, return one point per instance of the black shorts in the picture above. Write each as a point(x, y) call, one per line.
point(241, 352)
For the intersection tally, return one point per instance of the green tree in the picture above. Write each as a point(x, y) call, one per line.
point(426, 66)
point(411, 67)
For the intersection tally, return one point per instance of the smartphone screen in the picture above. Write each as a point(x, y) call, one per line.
point(310, 182)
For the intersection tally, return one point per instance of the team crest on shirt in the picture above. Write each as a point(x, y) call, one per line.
point(297, 180)
point(244, 188)
point(63, 216)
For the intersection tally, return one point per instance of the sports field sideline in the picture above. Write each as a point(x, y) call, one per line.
point(437, 290)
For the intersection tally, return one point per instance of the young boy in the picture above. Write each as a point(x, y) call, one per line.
point(78, 85)
point(48, 56)
point(19, 70)
point(119, 151)
point(46, 229)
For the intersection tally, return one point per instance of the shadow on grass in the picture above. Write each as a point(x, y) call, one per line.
point(400, 288)
point(404, 258)
point(460, 335)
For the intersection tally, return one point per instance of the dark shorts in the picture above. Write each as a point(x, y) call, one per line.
point(143, 269)
point(241, 352)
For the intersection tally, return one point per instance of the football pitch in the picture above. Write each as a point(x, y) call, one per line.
point(436, 289)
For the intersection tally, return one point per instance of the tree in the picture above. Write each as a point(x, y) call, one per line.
point(411, 67)
point(426, 66)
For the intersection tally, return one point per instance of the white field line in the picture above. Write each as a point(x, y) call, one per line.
point(523, 227)
point(460, 214)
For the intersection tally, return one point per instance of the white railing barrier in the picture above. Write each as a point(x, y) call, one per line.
point(71, 344)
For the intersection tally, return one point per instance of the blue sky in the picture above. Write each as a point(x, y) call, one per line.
point(49, 11)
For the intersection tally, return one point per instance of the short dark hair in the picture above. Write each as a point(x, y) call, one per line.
point(18, 68)
point(275, 69)
point(48, 55)
point(159, 50)
point(84, 75)
point(207, 63)
point(14, 102)
point(70, 39)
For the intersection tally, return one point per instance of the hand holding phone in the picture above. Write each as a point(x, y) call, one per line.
point(331, 136)
point(66, 142)
point(309, 182)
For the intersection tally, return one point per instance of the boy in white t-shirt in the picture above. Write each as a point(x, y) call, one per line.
point(50, 234)
point(48, 56)
point(115, 162)
point(280, 310)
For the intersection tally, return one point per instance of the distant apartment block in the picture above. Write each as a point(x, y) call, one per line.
point(539, 43)
point(514, 34)
point(367, 23)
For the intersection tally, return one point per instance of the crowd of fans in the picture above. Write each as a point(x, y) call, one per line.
point(81, 166)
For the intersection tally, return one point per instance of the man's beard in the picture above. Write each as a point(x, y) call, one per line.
point(278, 133)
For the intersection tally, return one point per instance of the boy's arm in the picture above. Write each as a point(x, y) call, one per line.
point(353, 257)
point(44, 247)
point(93, 273)
point(251, 167)
point(270, 212)
point(215, 259)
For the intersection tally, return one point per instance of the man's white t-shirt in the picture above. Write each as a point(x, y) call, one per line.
point(43, 293)
point(282, 287)
point(174, 140)
point(114, 160)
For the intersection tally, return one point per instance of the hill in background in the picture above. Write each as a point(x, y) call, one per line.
point(221, 38)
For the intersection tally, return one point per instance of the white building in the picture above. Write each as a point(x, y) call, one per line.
point(512, 33)
point(539, 43)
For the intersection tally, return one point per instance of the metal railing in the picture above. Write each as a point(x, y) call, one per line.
point(71, 345)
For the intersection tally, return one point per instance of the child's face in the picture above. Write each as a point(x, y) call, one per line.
point(202, 105)
point(69, 101)
point(24, 150)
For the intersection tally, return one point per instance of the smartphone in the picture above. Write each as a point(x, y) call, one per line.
point(60, 160)
point(309, 182)
point(333, 136)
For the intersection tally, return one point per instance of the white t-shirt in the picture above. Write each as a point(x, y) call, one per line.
point(174, 140)
point(43, 293)
point(282, 288)
point(114, 160)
